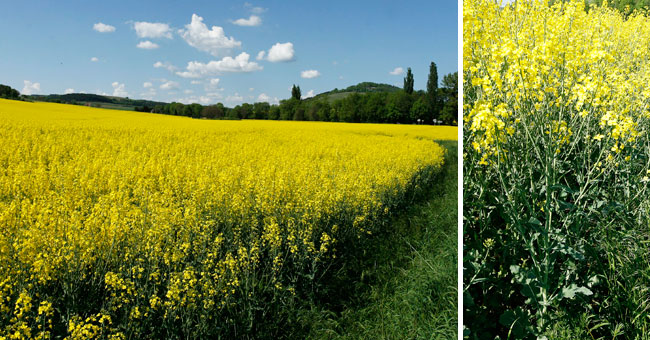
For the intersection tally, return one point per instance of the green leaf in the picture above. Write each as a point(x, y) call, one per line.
point(535, 222)
point(571, 291)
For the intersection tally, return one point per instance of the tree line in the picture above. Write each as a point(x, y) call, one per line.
point(361, 103)
point(436, 105)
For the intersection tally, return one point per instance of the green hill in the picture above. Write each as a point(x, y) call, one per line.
point(95, 100)
point(364, 87)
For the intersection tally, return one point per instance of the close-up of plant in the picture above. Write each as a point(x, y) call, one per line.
point(556, 162)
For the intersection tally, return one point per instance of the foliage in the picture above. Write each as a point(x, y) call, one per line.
point(555, 171)
point(432, 83)
point(295, 92)
point(408, 82)
point(625, 6)
point(449, 98)
point(8, 93)
point(130, 225)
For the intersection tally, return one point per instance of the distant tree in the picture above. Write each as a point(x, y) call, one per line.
point(195, 110)
point(351, 108)
point(299, 112)
point(323, 111)
point(288, 108)
point(420, 111)
point(449, 112)
point(143, 109)
point(295, 92)
point(8, 92)
point(408, 82)
point(246, 111)
point(433, 94)
point(398, 107)
point(235, 112)
point(374, 109)
point(274, 112)
point(261, 110)
point(176, 109)
point(212, 111)
point(432, 82)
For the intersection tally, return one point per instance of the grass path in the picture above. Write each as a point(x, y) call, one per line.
point(408, 287)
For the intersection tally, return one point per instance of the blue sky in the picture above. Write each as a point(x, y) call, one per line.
point(221, 51)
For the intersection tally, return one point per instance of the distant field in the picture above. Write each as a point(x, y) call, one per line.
point(123, 224)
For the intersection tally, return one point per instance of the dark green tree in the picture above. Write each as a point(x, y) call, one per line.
point(420, 111)
point(274, 112)
point(374, 108)
point(213, 111)
point(261, 110)
point(432, 82)
point(398, 107)
point(8, 92)
point(449, 112)
point(295, 92)
point(408, 82)
point(288, 108)
point(195, 110)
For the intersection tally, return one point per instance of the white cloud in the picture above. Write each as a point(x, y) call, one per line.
point(213, 41)
point(148, 95)
point(263, 97)
point(212, 85)
point(103, 28)
point(68, 91)
point(260, 55)
point(397, 71)
point(240, 63)
point(204, 100)
point(166, 65)
point(169, 85)
point(94, 59)
point(341, 77)
point(253, 9)
point(31, 88)
point(251, 89)
point(188, 91)
point(253, 20)
point(309, 74)
point(309, 94)
point(151, 90)
point(280, 52)
point(234, 99)
point(118, 90)
point(152, 30)
point(147, 45)
point(195, 82)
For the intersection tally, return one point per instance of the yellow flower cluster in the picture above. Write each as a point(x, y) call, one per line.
point(173, 218)
point(564, 64)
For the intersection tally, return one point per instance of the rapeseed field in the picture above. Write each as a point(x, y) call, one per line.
point(120, 225)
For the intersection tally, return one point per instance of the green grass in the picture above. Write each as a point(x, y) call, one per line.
point(406, 279)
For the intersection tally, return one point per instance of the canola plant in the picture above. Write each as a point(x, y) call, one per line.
point(556, 143)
